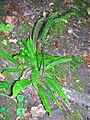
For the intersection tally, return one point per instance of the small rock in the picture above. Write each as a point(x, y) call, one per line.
point(38, 111)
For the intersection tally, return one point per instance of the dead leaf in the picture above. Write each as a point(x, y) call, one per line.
point(6, 33)
point(21, 20)
point(88, 10)
point(11, 20)
point(18, 118)
point(44, 14)
point(24, 17)
point(84, 53)
point(13, 41)
point(87, 59)
point(7, 7)
point(88, 66)
point(67, 2)
point(50, 4)
point(84, 5)
point(15, 13)
point(31, 24)
point(57, 44)
point(26, 114)
point(61, 104)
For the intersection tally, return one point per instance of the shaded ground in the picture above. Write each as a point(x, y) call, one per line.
point(71, 38)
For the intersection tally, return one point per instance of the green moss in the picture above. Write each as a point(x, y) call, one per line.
point(57, 29)
point(76, 116)
point(1, 4)
point(25, 30)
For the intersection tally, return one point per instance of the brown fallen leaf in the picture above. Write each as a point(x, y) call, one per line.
point(27, 113)
point(24, 17)
point(15, 13)
point(21, 20)
point(6, 33)
point(57, 44)
point(18, 118)
point(88, 66)
point(11, 20)
point(7, 7)
point(61, 104)
point(31, 24)
point(67, 2)
point(88, 10)
point(87, 59)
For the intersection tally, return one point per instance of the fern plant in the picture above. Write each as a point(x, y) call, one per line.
point(38, 77)
point(43, 67)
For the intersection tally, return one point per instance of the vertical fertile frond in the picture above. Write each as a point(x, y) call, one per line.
point(51, 17)
point(45, 31)
point(47, 26)
point(37, 28)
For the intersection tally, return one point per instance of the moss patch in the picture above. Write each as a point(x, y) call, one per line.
point(25, 30)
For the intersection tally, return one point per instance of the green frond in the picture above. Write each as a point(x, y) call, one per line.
point(24, 42)
point(5, 55)
point(24, 64)
point(56, 20)
point(44, 98)
point(50, 73)
point(51, 57)
point(59, 69)
point(52, 95)
point(52, 16)
point(11, 70)
point(47, 27)
point(57, 88)
point(30, 47)
point(35, 76)
point(45, 31)
point(21, 56)
point(24, 51)
point(19, 86)
point(37, 28)
point(58, 61)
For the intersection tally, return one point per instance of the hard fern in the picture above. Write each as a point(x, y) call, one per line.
point(47, 27)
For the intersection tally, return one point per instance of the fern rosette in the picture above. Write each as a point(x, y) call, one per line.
point(42, 67)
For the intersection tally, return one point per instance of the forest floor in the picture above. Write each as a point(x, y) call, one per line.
point(64, 39)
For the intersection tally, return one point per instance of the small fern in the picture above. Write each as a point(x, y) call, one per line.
point(43, 67)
